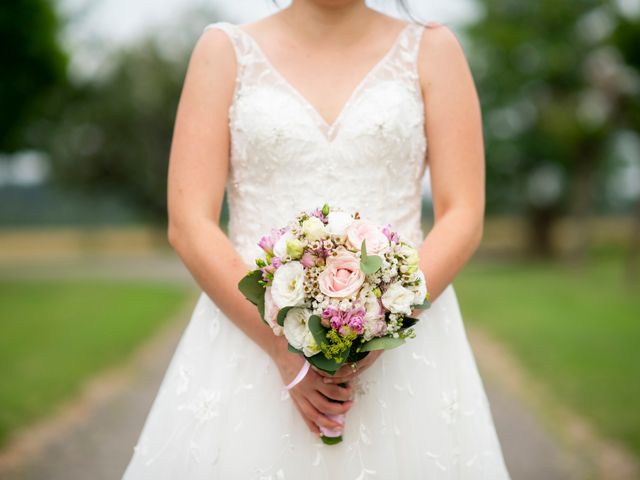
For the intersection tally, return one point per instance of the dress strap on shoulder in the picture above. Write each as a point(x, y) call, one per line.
point(248, 60)
point(413, 42)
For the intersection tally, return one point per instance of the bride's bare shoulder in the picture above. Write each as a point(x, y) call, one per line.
point(211, 71)
point(441, 56)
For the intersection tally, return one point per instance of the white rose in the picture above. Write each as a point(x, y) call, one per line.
point(338, 223)
point(398, 299)
point(280, 247)
point(287, 288)
point(313, 228)
point(296, 327)
point(421, 292)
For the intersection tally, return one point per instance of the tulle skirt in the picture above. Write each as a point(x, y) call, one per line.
point(419, 412)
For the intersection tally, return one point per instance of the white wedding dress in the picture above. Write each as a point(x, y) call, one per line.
point(420, 412)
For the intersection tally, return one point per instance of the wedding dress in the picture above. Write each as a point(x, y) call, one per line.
point(420, 412)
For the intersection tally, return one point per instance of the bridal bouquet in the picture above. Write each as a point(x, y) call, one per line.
point(337, 287)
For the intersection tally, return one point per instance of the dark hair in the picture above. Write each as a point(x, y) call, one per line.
point(401, 4)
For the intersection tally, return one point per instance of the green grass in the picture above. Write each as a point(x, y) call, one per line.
point(54, 335)
point(577, 330)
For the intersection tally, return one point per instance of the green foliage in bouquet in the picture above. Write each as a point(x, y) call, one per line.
point(252, 288)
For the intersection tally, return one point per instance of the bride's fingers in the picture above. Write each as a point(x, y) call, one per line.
point(335, 392)
point(316, 416)
point(313, 428)
point(340, 378)
point(326, 406)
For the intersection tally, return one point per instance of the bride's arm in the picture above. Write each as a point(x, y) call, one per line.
point(198, 170)
point(453, 127)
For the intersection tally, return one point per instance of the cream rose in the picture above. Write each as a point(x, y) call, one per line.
point(313, 229)
point(377, 242)
point(287, 288)
point(341, 276)
point(398, 299)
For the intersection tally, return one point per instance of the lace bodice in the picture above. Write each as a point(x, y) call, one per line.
point(285, 157)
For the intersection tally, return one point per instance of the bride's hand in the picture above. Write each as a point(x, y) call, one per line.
point(313, 398)
point(346, 373)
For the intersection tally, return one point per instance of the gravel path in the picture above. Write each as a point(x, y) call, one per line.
point(92, 438)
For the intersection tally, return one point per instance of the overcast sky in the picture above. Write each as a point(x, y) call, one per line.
point(112, 23)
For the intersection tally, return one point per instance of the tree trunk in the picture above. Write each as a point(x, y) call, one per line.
point(540, 238)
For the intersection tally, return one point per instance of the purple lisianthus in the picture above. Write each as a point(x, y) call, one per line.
point(355, 319)
point(390, 234)
point(318, 214)
point(267, 272)
point(334, 316)
point(308, 260)
point(267, 242)
point(276, 262)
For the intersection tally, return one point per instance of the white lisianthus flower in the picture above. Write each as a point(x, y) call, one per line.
point(310, 347)
point(421, 293)
point(287, 288)
point(313, 229)
point(280, 247)
point(398, 299)
point(338, 223)
point(296, 327)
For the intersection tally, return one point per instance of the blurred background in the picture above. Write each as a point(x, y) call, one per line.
point(93, 300)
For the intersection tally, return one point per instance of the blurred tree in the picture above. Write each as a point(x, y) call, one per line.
point(552, 85)
point(627, 38)
point(114, 134)
point(33, 64)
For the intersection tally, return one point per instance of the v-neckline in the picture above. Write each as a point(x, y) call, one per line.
point(328, 127)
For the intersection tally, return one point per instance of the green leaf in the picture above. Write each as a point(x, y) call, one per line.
point(330, 440)
point(325, 364)
point(381, 343)
point(369, 263)
point(409, 322)
point(355, 356)
point(424, 305)
point(294, 350)
point(252, 290)
point(282, 313)
point(317, 330)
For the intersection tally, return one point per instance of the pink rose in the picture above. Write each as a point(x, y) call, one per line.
point(376, 240)
point(341, 276)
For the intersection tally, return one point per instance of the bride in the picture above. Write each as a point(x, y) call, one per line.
point(324, 101)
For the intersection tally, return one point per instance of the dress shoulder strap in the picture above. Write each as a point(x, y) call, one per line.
point(250, 64)
point(237, 40)
point(411, 47)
